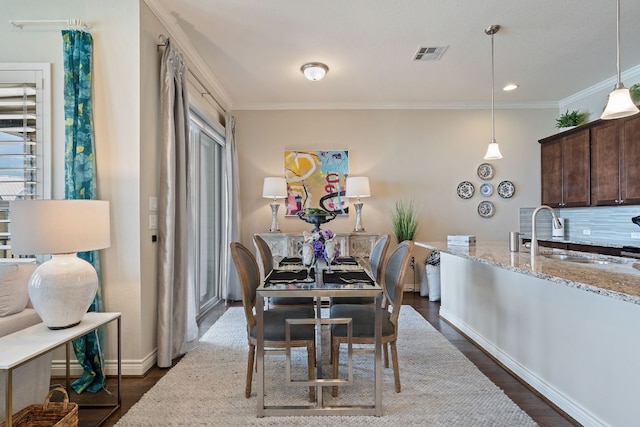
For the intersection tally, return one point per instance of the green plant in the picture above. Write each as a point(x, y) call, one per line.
point(573, 118)
point(635, 93)
point(404, 221)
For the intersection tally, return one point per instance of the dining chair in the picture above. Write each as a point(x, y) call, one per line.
point(376, 267)
point(266, 260)
point(274, 319)
point(363, 316)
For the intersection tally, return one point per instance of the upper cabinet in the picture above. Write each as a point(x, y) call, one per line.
point(615, 159)
point(565, 170)
point(597, 164)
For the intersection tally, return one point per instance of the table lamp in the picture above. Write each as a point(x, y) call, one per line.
point(63, 288)
point(358, 186)
point(274, 187)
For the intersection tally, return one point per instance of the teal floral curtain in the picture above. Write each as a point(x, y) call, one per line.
point(80, 182)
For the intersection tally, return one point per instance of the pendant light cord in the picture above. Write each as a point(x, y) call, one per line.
point(619, 85)
point(493, 83)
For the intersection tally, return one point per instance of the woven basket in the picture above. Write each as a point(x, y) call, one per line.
point(48, 414)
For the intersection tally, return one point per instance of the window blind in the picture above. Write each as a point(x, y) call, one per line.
point(20, 151)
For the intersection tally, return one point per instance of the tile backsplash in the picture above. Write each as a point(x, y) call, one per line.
point(607, 225)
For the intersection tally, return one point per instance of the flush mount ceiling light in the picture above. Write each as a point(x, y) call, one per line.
point(509, 87)
point(620, 103)
point(314, 71)
point(493, 151)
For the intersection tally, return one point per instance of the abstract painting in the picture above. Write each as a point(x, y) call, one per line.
point(316, 179)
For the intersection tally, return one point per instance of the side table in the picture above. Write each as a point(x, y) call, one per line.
point(27, 344)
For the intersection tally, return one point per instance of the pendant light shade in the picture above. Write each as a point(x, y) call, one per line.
point(493, 151)
point(620, 103)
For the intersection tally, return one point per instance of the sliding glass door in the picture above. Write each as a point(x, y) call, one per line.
point(207, 168)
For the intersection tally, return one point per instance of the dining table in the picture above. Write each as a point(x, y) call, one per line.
point(344, 277)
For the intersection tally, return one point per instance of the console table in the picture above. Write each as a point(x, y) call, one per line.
point(29, 343)
point(357, 245)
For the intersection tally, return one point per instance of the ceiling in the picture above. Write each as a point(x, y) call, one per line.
point(252, 50)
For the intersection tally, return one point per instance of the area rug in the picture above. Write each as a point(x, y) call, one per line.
point(440, 386)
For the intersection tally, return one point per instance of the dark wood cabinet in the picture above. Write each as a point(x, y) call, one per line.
point(565, 170)
point(615, 159)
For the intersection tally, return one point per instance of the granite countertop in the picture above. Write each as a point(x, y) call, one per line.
point(619, 278)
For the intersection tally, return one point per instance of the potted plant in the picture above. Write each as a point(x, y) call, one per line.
point(404, 221)
point(634, 91)
point(571, 119)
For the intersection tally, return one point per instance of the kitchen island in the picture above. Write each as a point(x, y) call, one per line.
point(570, 330)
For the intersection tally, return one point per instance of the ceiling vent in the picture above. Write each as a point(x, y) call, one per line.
point(432, 53)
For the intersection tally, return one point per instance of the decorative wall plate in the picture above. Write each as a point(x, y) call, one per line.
point(506, 189)
point(485, 171)
point(486, 189)
point(486, 209)
point(465, 190)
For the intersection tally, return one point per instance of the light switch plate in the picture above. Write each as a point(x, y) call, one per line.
point(153, 222)
point(586, 232)
point(153, 203)
point(635, 235)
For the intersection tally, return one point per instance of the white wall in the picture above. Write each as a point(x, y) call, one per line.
point(117, 119)
point(419, 155)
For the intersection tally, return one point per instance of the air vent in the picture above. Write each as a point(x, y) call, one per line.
point(432, 53)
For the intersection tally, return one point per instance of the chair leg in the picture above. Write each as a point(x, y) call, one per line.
point(396, 365)
point(252, 354)
point(335, 356)
point(311, 360)
point(385, 349)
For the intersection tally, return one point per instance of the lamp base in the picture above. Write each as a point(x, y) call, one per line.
point(62, 290)
point(358, 206)
point(274, 217)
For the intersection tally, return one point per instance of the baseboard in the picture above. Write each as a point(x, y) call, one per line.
point(564, 402)
point(129, 367)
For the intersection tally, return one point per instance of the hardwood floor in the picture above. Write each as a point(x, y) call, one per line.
point(541, 411)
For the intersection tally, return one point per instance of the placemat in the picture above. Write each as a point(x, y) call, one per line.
point(342, 277)
point(290, 261)
point(283, 276)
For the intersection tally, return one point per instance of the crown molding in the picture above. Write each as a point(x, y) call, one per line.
point(404, 106)
point(604, 86)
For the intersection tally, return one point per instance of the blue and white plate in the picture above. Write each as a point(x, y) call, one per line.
point(465, 190)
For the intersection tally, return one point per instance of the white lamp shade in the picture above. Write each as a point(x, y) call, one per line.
point(58, 226)
point(274, 187)
point(619, 105)
point(493, 152)
point(357, 186)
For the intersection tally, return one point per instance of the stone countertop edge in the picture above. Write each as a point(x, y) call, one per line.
point(618, 279)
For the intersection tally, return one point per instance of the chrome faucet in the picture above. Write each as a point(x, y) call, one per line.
point(534, 234)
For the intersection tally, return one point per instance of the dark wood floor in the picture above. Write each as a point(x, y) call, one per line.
point(541, 411)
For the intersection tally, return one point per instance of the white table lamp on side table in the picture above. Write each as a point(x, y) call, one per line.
point(63, 288)
point(274, 187)
point(358, 186)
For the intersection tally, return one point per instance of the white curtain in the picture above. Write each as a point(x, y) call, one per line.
point(177, 327)
point(230, 280)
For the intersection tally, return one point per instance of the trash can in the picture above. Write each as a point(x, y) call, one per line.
point(432, 267)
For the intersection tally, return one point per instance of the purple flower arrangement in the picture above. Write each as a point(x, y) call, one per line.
point(319, 240)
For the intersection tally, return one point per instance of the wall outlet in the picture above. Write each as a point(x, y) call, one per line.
point(586, 232)
point(635, 235)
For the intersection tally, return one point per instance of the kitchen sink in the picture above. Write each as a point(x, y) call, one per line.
point(573, 258)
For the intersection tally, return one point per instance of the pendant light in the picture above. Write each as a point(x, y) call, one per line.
point(620, 103)
point(493, 151)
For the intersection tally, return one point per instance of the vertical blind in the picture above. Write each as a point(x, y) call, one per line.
point(20, 150)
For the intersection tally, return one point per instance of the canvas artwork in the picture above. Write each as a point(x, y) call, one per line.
point(316, 179)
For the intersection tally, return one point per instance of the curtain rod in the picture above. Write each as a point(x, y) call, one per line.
point(78, 23)
point(163, 42)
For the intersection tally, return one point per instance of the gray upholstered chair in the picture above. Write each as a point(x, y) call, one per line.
point(266, 259)
point(376, 267)
point(363, 316)
point(274, 319)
